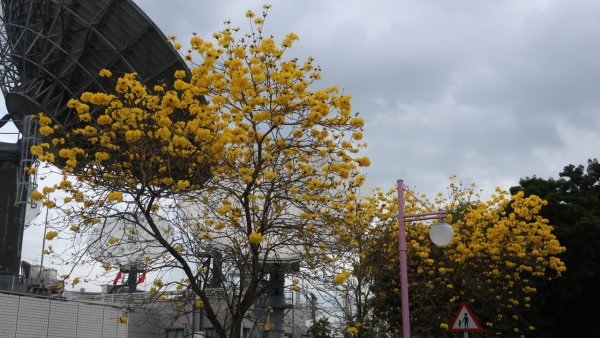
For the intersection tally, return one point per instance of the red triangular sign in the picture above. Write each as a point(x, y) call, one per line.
point(465, 321)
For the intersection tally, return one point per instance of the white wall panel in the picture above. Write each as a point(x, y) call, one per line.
point(24, 316)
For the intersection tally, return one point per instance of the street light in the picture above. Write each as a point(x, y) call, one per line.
point(441, 234)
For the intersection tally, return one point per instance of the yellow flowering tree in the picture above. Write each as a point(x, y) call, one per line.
point(501, 251)
point(346, 257)
point(219, 175)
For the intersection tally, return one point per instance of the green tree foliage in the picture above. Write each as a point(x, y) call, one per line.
point(320, 328)
point(570, 303)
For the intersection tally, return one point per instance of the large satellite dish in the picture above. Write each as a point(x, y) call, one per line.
point(52, 51)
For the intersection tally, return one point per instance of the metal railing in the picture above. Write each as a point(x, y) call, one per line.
point(27, 172)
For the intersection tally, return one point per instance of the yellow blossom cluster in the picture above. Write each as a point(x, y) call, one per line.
point(340, 278)
point(50, 235)
point(255, 238)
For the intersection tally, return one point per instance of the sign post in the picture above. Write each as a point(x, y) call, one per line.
point(465, 321)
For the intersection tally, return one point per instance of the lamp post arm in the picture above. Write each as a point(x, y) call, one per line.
point(426, 216)
point(417, 199)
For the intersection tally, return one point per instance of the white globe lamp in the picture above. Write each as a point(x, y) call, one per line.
point(441, 233)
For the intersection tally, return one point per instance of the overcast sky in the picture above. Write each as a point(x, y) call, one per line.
point(492, 91)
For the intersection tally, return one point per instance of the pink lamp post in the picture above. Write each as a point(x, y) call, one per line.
point(440, 233)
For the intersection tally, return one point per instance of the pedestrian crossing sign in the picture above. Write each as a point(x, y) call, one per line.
point(465, 321)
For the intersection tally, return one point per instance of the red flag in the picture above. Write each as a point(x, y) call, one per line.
point(117, 279)
point(142, 278)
